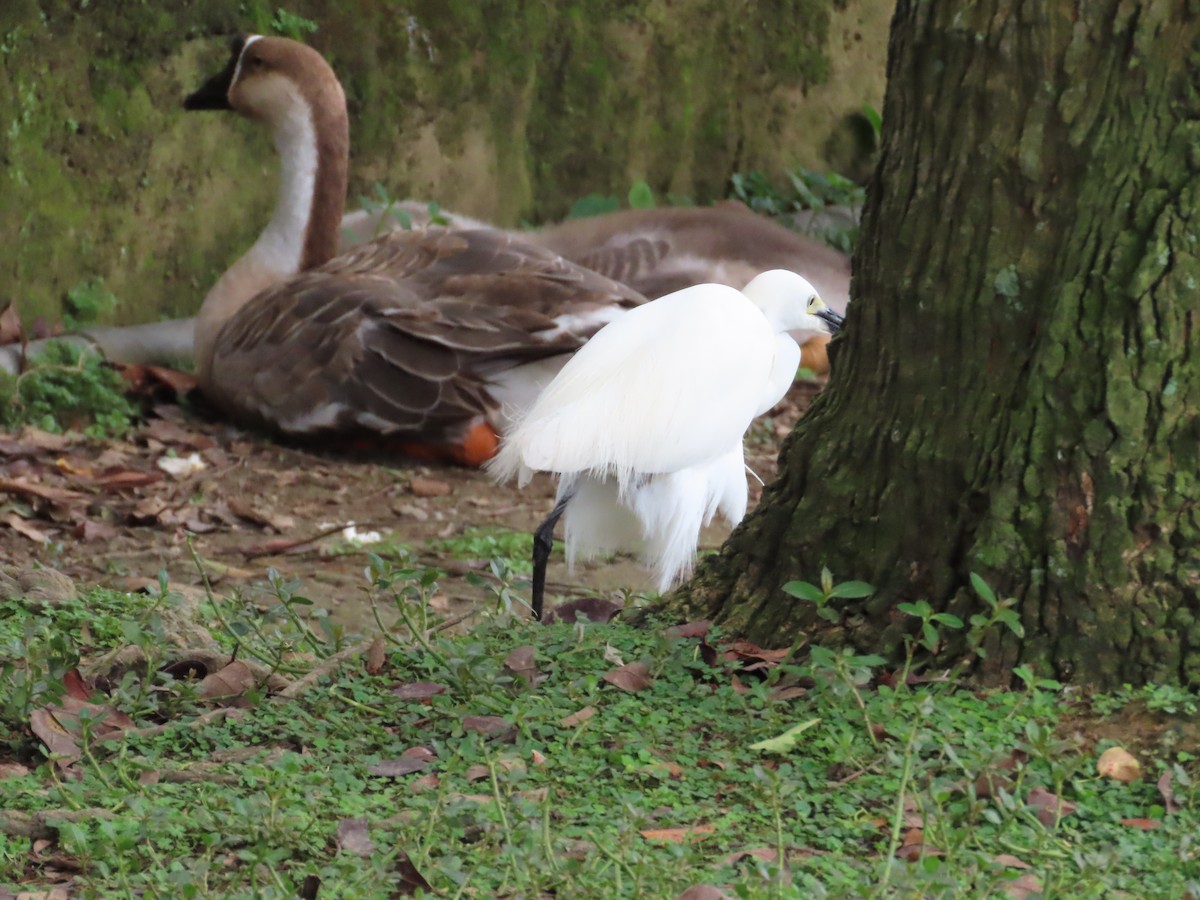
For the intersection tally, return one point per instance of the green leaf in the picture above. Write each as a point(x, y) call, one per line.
point(641, 196)
point(786, 741)
point(853, 590)
point(1012, 620)
point(593, 205)
point(948, 619)
point(873, 117)
point(802, 590)
point(931, 636)
point(982, 589)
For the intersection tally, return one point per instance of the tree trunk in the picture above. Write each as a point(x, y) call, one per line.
point(1016, 390)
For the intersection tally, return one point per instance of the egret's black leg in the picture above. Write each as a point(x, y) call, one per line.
point(543, 542)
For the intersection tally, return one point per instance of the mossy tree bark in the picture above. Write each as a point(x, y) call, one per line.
point(1017, 388)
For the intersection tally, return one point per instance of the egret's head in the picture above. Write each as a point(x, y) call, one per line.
point(790, 303)
point(833, 320)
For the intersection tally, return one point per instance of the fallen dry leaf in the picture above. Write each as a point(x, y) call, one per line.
point(46, 440)
point(376, 656)
point(632, 678)
point(913, 847)
point(698, 629)
point(310, 887)
point(1143, 824)
point(1023, 887)
point(477, 772)
point(180, 382)
point(677, 835)
point(419, 690)
point(24, 488)
point(747, 651)
point(89, 530)
point(10, 325)
point(520, 663)
point(397, 768)
point(487, 725)
point(59, 726)
point(1119, 764)
point(428, 782)
point(352, 837)
point(577, 718)
point(1010, 861)
point(12, 770)
point(260, 516)
point(167, 432)
point(1049, 807)
point(593, 609)
point(428, 487)
point(1168, 793)
point(703, 892)
point(125, 480)
point(232, 681)
point(26, 530)
point(411, 880)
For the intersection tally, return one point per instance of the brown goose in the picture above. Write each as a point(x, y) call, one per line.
point(660, 251)
point(431, 336)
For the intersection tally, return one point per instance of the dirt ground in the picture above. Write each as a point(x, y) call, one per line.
point(116, 513)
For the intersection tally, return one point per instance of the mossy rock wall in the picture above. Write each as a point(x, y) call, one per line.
point(505, 110)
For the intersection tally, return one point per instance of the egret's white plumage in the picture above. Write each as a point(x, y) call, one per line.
point(644, 424)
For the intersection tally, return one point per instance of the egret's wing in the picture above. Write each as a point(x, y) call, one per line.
point(669, 384)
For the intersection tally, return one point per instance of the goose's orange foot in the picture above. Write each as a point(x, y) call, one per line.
point(479, 444)
point(814, 354)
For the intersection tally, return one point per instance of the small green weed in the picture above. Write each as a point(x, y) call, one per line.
point(640, 196)
point(515, 548)
point(66, 387)
point(86, 303)
point(291, 25)
point(805, 190)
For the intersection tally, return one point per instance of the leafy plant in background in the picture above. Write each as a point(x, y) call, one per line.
point(67, 387)
point(807, 195)
point(291, 25)
point(641, 196)
point(86, 303)
point(383, 205)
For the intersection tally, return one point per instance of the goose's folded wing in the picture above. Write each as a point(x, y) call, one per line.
point(402, 335)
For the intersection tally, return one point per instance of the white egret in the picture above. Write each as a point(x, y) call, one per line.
point(644, 425)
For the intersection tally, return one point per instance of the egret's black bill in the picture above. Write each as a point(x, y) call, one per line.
point(834, 320)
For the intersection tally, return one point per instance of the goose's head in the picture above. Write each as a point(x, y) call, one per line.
point(271, 80)
point(790, 303)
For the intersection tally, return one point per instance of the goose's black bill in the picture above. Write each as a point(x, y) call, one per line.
point(214, 93)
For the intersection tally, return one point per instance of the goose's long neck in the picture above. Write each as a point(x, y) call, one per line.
point(312, 143)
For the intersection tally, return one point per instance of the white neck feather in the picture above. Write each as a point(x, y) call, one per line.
point(279, 249)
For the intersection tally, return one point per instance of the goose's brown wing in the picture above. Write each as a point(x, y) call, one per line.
point(403, 334)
